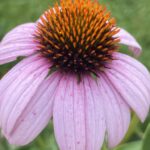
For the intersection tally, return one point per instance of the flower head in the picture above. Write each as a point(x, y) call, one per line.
point(76, 39)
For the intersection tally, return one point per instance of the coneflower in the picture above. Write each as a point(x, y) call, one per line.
point(72, 70)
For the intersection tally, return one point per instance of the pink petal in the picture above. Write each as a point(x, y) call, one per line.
point(136, 68)
point(127, 39)
point(18, 86)
point(66, 115)
point(32, 63)
point(78, 115)
point(27, 122)
point(134, 63)
point(135, 77)
point(98, 117)
point(18, 42)
point(117, 113)
point(130, 86)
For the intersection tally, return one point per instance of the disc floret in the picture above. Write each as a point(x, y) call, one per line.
point(77, 36)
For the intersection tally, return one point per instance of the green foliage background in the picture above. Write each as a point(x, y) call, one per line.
point(133, 15)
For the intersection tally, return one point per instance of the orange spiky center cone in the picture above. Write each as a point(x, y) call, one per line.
point(77, 36)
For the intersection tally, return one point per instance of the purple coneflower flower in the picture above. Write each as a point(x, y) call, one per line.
point(72, 71)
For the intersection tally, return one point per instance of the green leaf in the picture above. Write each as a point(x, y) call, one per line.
point(146, 139)
point(131, 146)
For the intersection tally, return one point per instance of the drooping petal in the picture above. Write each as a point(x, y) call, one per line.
point(27, 122)
point(127, 39)
point(18, 42)
point(136, 68)
point(28, 65)
point(18, 87)
point(134, 76)
point(117, 113)
point(126, 78)
point(134, 63)
point(78, 115)
point(98, 117)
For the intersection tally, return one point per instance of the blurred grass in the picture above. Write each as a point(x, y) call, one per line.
point(133, 15)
